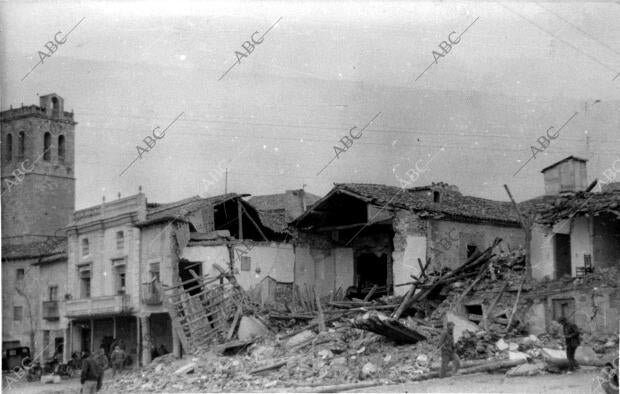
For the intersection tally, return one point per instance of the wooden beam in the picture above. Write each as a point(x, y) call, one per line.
point(322, 326)
point(514, 307)
point(253, 222)
point(488, 313)
point(462, 296)
point(371, 293)
point(526, 227)
point(240, 218)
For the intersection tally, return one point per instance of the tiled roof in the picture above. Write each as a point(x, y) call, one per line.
point(49, 250)
point(452, 203)
point(272, 208)
point(552, 209)
point(270, 202)
point(277, 220)
point(179, 209)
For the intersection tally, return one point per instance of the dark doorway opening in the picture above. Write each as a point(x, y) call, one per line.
point(562, 255)
point(564, 307)
point(371, 270)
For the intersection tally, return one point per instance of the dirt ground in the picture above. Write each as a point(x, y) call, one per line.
point(581, 382)
point(584, 381)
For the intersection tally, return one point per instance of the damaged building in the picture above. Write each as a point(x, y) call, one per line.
point(575, 250)
point(122, 252)
point(362, 235)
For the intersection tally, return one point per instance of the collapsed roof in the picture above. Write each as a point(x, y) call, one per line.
point(439, 201)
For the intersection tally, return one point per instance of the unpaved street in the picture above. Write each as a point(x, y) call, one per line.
point(580, 382)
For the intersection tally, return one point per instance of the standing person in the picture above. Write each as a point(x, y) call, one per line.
point(446, 345)
point(571, 334)
point(117, 358)
point(92, 376)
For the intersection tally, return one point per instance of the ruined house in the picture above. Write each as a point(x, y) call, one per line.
point(121, 251)
point(361, 235)
point(575, 250)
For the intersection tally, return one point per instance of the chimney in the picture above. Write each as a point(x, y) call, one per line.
point(567, 175)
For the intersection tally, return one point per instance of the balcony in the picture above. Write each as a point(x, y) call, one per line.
point(50, 310)
point(150, 294)
point(106, 305)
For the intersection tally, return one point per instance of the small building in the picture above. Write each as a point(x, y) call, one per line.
point(575, 250)
point(361, 235)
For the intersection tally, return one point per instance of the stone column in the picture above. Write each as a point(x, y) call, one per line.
point(146, 340)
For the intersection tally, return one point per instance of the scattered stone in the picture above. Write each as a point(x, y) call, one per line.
point(422, 360)
point(517, 356)
point(368, 370)
point(526, 370)
point(299, 338)
point(325, 354)
point(250, 327)
point(513, 347)
point(188, 368)
point(339, 361)
point(501, 345)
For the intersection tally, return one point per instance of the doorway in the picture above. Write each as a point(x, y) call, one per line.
point(562, 255)
point(371, 270)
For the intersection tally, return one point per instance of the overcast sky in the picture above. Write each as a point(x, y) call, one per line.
point(324, 68)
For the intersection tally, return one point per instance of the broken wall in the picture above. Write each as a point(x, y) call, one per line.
point(325, 269)
point(409, 245)
point(596, 310)
point(542, 254)
point(252, 261)
point(606, 241)
point(448, 240)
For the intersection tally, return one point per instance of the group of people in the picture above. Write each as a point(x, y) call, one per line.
point(94, 365)
point(448, 354)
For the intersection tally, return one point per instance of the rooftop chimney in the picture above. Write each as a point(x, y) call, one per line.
point(567, 175)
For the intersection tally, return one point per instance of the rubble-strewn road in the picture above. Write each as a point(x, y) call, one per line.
point(581, 382)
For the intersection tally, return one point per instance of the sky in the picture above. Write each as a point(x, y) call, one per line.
point(323, 68)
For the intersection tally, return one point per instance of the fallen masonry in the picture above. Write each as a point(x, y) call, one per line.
point(332, 344)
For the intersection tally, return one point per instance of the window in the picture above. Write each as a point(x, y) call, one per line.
point(246, 263)
point(85, 247)
point(120, 241)
point(85, 282)
point(21, 148)
point(121, 279)
point(9, 147)
point(17, 313)
point(55, 107)
point(435, 196)
point(61, 148)
point(47, 145)
point(19, 274)
point(53, 292)
point(154, 271)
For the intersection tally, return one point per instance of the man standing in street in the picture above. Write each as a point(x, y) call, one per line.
point(117, 358)
point(446, 345)
point(571, 334)
point(92, 376)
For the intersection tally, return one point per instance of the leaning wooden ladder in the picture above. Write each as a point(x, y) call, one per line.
point(200, 308)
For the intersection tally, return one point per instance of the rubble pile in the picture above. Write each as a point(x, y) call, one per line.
point(388, 339)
